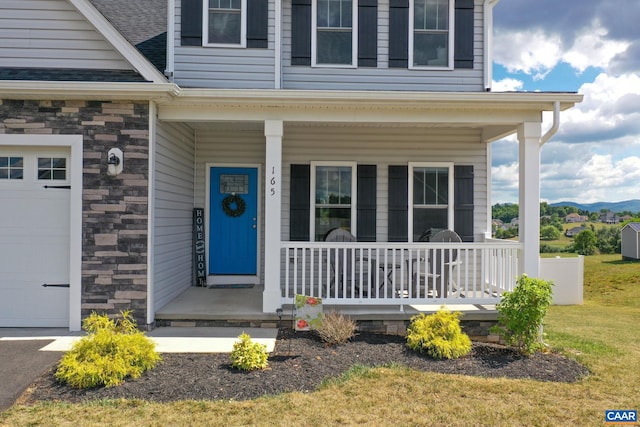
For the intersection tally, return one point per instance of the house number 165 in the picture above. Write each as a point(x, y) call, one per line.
point(272, 182)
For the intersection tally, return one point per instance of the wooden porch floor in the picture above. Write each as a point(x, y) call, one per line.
point(240, 305)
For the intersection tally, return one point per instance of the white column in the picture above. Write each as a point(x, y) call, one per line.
point(529, 134)
point(273, 131)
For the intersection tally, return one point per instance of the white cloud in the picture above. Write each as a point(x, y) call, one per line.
point(507, 85)
point(607, 112)
point(592, 49)
point(533, 52)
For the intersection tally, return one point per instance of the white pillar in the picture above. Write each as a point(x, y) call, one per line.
point(273, 131)
point(529, 134)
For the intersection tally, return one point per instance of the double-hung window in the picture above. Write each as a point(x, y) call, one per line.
point(431, 36)
point(334, 32)
point(225, 22)
point(333, 189)
point(431, 198)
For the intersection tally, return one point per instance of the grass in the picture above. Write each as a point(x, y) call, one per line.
point(603, 334)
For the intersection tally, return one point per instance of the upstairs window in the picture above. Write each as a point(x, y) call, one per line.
point(224, 22)
point(335, 32)
point(429, 40)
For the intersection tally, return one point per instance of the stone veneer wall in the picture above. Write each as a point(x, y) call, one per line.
point(115, 209)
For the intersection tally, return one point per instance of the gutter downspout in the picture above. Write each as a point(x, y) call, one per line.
point(488, 42)
point(171, 22)
point(554, 126)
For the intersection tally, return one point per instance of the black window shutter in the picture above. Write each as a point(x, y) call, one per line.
point(399, 33)
point(463, 49)
point(301, 32)
point(257, 23)
point(299, 209)
point(367, 194)
point(463, 202)
point(367, 33)
point(191, 23)
point(398, 203)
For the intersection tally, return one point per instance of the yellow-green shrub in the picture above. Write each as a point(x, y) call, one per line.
point(248, 355)
point(439, 335)
point(112, 351)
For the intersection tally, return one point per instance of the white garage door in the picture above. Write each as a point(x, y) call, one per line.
point(34, 237)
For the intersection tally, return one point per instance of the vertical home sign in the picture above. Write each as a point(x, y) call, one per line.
point(199, 255)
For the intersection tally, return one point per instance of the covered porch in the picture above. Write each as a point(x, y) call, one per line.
point(388, 135)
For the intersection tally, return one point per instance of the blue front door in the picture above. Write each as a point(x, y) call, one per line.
point(233, 216)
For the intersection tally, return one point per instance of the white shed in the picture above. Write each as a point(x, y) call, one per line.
point(631, 241)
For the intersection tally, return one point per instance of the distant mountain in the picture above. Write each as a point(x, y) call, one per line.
point(627, 205)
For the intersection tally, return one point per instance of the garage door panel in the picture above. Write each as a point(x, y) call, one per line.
point(34, 250)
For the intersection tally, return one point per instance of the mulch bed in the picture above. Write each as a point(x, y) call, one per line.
point(301, 362)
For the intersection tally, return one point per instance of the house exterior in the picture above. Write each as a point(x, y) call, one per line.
point(630, 236)
point(574, 231)
point(609, 217)
point(266, 124)
point(574, 217)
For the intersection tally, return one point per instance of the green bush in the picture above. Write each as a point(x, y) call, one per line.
point(112, 351)
point(336, 328)
point(248, 355)
point(439, 335)
point(521, 313)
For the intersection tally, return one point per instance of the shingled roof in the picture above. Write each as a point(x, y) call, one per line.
point(143, 23)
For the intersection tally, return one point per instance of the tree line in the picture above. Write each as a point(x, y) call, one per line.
point(605, 240)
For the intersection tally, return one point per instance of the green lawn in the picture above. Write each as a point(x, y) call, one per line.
point(604, 334)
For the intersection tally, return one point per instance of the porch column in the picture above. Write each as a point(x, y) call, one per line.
point(529, 134)
point(273, 130)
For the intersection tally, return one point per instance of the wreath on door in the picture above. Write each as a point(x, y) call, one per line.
point(232, 200)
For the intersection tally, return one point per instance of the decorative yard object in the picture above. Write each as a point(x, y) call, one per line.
point(439, 335)
point(113, 350)
point(521, 313)
point(308, 313)
point(248, 355)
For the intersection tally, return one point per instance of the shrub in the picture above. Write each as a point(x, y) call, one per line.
point(439, 335)
point(521, 313)
point(112, 351)
point(248, 355)
point(585, 242)
point(336, 328)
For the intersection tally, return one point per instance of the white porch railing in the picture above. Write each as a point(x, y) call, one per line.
point(399, 273)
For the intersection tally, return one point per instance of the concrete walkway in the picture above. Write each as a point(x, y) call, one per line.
point(168, 340)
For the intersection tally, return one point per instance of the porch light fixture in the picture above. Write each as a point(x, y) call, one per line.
point(115, 162)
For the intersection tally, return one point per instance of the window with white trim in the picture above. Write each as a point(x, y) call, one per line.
point(11, 168)
point(430, 33)
point(52, 168)
point(333, 189)
point(430, 198)
point(225, 23)
point(335, 32)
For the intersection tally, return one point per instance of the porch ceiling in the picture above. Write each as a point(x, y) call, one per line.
point(494, 115)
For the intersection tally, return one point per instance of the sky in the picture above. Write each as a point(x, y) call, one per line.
point(587, 46)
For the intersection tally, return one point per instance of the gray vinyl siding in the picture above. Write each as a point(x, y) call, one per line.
point(52, 34)
point(244, 144)
point(382, 77)
point(224, 68)
point(383, 147)
point(173, 195)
